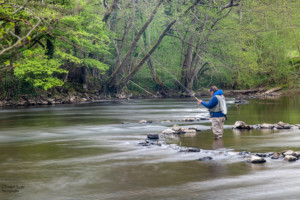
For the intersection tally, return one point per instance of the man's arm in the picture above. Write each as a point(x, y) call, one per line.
point(212, 103)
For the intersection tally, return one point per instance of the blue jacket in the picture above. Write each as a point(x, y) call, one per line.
point(212, 103)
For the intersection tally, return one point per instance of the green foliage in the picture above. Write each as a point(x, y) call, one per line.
point(256, 44)
point(37, 69)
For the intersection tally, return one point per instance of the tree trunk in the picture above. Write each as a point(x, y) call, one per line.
point(85, 77)
point(132, 73)
point(112, 82)
point(162, 89)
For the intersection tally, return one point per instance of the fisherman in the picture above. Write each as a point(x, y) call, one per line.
point(218, 109)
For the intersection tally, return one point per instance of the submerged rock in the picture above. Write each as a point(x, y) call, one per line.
point(241, 101)
point(256, 159)
point(151, 143)
point(205, 158)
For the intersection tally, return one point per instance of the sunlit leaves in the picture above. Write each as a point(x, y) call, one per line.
point(37, 69)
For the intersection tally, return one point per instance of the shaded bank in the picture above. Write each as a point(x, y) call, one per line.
point(69, 96)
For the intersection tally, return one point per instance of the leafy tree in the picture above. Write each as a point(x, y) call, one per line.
point(36, 68)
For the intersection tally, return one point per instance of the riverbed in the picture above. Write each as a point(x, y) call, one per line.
point(91, 151)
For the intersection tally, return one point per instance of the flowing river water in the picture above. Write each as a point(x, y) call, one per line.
point(91, 151)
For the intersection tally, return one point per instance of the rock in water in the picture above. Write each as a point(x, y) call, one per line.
point(205, 158)
point(256, 159)
point(193, 150)
point(281, 125)
point(189, 119)
point(241, 125)
point(290, 158)
point(168, 131)
point(275, 155)
point(145, 121)
point(266, 126)
point(288, 153)
point(153, 136)
point(297, 154)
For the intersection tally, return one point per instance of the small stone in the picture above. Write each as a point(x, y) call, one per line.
point(266, 126)
point(193, 150)
point(256, 159)
point(188, 131)
point(189, 119)
point(204, 118)
point(153, 136)
point(294, 128)
point(243, 153)
point(241, 125)
point(290, 158)
point(261, 155)
point(275, 155)
point(298, 125)
point(288, 153)
point(205, 158)
point(168, 131)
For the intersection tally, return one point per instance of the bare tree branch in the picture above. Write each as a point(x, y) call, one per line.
point(19, 42)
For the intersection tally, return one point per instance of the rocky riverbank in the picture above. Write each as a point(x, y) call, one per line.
point(207, 155)
point(75, 96)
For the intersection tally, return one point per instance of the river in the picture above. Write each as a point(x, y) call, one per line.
point(91, 151)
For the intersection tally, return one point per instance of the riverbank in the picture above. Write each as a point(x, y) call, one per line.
point(72, 96)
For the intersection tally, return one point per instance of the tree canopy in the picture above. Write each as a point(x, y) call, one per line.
point(158, 45)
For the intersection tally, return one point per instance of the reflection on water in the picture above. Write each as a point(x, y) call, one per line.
point(90, 151)
point(218, 144)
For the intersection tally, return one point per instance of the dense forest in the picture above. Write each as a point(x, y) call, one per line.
point(151, 47)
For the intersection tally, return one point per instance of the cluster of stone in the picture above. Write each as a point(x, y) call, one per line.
point(152, 139)
point(276, 126)
point(177, 130)
point(287, 155)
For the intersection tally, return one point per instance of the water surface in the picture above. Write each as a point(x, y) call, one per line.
point(90, 151)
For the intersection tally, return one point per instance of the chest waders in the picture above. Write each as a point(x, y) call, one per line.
point(221, 106)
